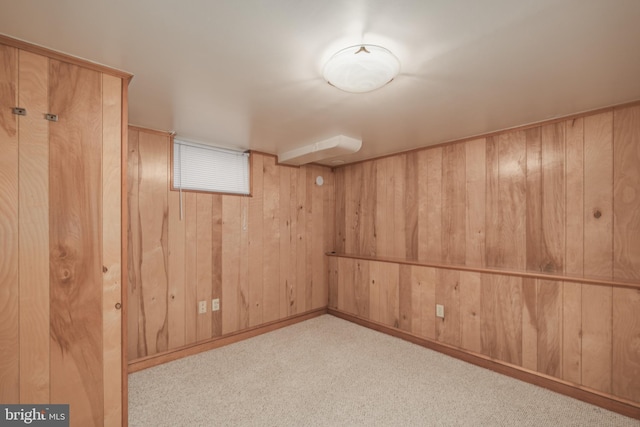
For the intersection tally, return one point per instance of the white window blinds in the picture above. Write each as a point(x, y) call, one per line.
point(204, 168)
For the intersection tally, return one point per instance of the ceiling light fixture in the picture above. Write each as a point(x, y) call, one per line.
point(361, 68)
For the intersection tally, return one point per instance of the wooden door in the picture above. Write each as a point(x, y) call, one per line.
point(60, 225)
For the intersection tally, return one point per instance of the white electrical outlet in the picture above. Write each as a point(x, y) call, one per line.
point(215, 304)
point(440, 310)
point(202, 307)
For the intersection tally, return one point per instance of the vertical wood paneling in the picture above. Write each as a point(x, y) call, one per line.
point(506, 201)
point(34, 231)
point(353, 187)
point(231, 236)
point(549, 303)
point(626, 194)
point(598, 198)
point(558, 198)
point(243, 290)
point(360, 283)
point(434, 200)
point(509, 329)
point(404, 298)
point(271, 241)
point(545, 198)
point(512, 200)
point(375, 289)
point(384, 212)
point(453, 203)
point(216, 264)
point(470, 308)
point(530, 321)
point(256, 248)
point(316, 257)
point(153, 214)
point(346, 288)
point(134, 252)
point(501, 317)
point(385, 305)
point(310, 234)
point(75, 242)
point(263, 255)
point(328, 225)
point(302, 244)
point(448, 294)
point(596, 337)
point(340, 214)
point(9, 267)
point(286, 287)
point(191, 266)
point(364, 193)
point(177, 302)
point(626, 343)
point(423, 204)
point(574, 251)
point(292, 297)
point(411, 206)
point(204, 262)
point(60, 237)
point(333, 282)
point(493, 246)
point(111, 247)
point(574, 179)
point(572, 332)
point(475, 174)
point(396, 198)
point(423, 301)
point(389, 298)
point(553, 198)
point(535, 238)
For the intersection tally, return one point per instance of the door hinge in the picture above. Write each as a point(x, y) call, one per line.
point(20, 111)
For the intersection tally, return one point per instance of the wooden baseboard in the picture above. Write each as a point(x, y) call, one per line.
point(160, 358)
point(609, 402)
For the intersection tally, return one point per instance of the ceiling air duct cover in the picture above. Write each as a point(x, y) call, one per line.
point(320, 151)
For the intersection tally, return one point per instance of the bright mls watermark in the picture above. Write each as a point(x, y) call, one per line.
point(34, 415)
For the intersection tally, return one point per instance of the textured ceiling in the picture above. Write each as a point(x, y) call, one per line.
point(247, 73)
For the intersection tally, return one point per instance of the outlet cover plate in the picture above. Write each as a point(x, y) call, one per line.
point(202, 307)
point(440, 310)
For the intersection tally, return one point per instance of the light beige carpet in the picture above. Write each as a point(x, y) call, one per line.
point(330, 372)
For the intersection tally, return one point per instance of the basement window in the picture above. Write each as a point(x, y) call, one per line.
point(199, 167)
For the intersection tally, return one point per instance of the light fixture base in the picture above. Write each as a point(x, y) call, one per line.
point(361, 68)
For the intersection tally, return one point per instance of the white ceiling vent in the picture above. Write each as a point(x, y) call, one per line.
point(320, 151)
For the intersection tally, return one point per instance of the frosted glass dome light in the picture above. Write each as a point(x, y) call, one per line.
point(361, 68)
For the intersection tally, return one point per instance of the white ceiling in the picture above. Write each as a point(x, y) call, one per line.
point(247, 73)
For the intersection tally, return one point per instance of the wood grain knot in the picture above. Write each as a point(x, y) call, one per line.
point(597, 214)
point(104, 269)
point(118, 306)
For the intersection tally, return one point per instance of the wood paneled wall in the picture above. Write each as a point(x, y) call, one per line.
point(60, 248)
point(582, 333)
point(559, 198)
point(263, 256)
